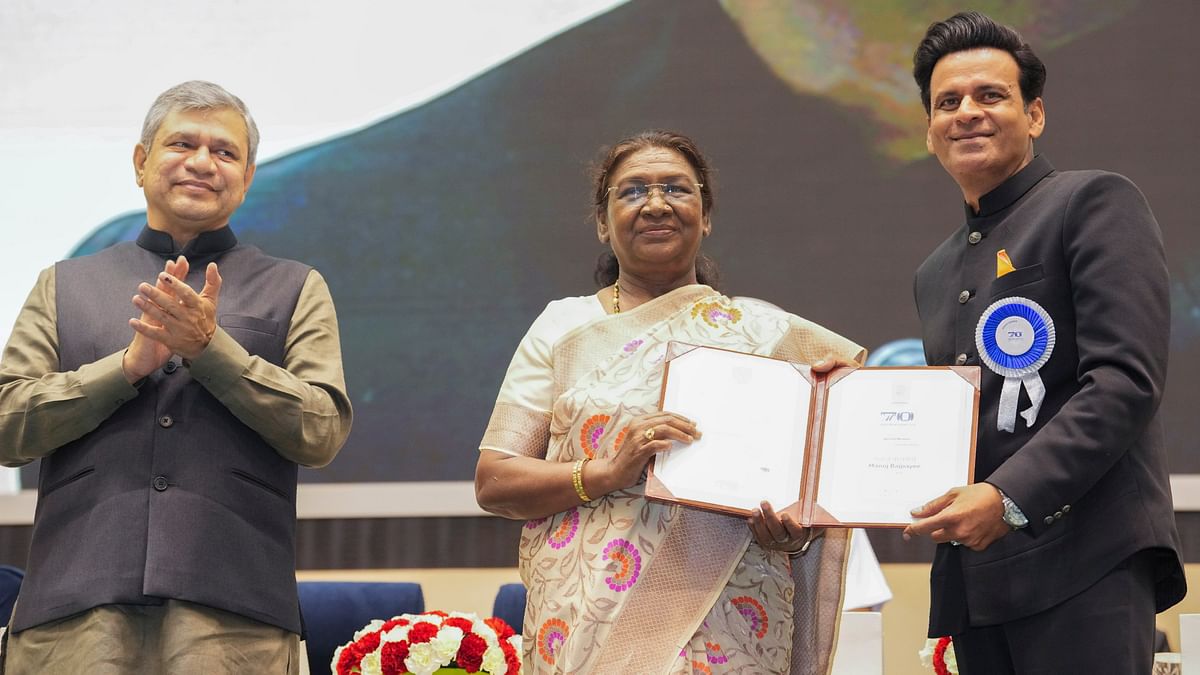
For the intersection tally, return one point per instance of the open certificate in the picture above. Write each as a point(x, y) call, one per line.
point(856, 447)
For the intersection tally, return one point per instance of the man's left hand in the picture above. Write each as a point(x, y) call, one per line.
point(188, 319)
point(970, 515)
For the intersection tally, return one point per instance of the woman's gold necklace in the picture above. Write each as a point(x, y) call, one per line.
point(616, 298)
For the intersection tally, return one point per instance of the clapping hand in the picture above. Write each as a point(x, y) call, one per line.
point(180, 319)
point(144, 355)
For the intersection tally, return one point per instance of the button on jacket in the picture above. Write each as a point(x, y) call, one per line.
point(184, 486)
point(1085, 247)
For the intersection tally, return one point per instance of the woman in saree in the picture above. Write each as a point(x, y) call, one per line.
point(617, 583)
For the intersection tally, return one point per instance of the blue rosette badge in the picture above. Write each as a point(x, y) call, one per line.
point(1015, 337)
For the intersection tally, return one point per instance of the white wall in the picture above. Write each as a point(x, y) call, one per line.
point(77, 76)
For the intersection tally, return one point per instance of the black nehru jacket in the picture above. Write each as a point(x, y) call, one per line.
point(1091, 473)
point(171, 496)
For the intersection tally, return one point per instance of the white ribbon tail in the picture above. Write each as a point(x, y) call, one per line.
point(1006, 416)
point(1037, 394)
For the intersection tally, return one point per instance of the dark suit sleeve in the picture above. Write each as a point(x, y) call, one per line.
point(1113, 254)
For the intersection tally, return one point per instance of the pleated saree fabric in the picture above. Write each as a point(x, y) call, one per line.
point(624, 585)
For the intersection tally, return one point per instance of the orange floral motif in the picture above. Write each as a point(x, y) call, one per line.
point(754, 613)
point(566, 530)
point(714, 312)
point(699, 668)
point(713, 653)
point(550, 637)
point(591, 433)
point(619, 440)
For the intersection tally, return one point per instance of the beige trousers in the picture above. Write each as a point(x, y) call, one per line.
point(175, 638)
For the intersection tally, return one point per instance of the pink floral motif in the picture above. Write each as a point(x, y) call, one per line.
point(566, 530)
point(632, 346)
point(590, 434)
point(534, 524)
point(752, 610)
point(550, 637)
point(712, 651)
point(629, 562)
point(714, 313)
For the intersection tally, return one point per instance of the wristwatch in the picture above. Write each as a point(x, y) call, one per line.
point(1012, 514)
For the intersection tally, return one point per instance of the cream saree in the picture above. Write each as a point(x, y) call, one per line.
point(624, 585)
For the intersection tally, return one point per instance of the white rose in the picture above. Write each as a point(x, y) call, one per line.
point(926, 652)
point(446, 643)
point(371, 665)
point(396, 634)
point(422, 659)
point(951, 659)
point(493, 661)
point(375, 625)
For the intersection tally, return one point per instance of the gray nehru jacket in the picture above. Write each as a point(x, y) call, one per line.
point(184, 486)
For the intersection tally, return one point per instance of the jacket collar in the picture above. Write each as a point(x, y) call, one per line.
point(208, 244)
point(1005, 194)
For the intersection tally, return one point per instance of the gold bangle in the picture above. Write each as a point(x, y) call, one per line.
point(577, 480)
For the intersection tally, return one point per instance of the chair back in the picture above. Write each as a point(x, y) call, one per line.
point(510, 605)
point(334, 610)
point(10, 584)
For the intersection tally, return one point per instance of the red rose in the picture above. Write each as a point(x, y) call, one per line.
point(391, 658)
point(348, 660)
point(392, 623)
point(503, 630)
point(510, 657)
point(422, 632)
point(939, 656)
point(470, 653)
point(368, 643)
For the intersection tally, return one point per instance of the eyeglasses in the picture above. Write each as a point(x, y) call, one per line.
point(636, 194)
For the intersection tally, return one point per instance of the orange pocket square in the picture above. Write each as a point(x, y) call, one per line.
point(1003, 264)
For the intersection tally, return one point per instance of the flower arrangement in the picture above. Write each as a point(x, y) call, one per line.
point(939, 654)
point(424, 643)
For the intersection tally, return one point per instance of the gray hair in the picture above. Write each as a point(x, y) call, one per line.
point(197, 95)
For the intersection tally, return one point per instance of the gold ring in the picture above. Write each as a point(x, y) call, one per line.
point(649, 434)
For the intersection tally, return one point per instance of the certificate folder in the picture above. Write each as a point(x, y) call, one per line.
point(855, 447)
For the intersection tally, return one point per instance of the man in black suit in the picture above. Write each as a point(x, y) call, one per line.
point(1057, 286)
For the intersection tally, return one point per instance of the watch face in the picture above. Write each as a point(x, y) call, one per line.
point(1012, 515)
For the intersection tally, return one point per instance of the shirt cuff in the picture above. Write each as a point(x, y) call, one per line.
point(221, 364)
point(104, 385)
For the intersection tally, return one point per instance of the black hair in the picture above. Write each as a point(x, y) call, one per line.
point(972, 30)
point(607, 267)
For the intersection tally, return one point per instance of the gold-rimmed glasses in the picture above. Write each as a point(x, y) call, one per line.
point(636, 194)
